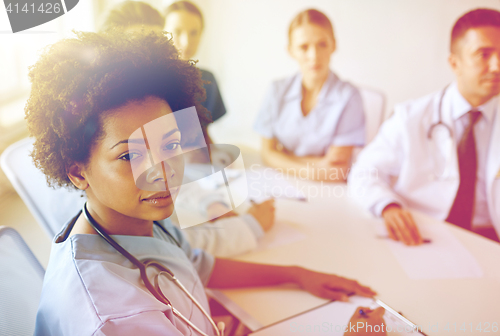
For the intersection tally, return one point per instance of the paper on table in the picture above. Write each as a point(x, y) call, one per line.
point(280, 234)
point(444, 258)
point(332, 319)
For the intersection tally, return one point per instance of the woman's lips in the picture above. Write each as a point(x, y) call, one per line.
point(161, 199)
point(165, 200)
point(316, 67)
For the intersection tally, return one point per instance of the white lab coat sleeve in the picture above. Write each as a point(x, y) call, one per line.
point(378, 164)
point(225, 237)
point(195, 198)
point(151, 323)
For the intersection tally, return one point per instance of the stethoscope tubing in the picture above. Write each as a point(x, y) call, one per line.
point(448, 129)
point(142, 269)
point(440, 117)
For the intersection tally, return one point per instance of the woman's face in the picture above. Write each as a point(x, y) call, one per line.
point(122, 154)
point(186, 30)
point(311, 46)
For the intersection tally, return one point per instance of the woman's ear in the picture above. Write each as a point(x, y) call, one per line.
point(76, 175)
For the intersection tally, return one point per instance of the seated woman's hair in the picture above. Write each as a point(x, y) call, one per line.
point(132, 13)
point(184, 6)
point(311, 16)
point(76, 80)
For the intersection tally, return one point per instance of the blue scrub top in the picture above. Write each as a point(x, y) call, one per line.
point(338, 119)
point(213, 103)
point(91, 289)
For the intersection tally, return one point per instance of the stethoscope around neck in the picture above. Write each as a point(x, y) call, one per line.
point(447, 164)
point(440, 117)
point(155, 289)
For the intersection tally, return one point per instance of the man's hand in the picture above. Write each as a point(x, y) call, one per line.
point(263, 213)
point(400, 225)
point(330, 286)
point(364, 316)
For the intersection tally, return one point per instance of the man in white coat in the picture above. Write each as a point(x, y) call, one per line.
point(440, 154)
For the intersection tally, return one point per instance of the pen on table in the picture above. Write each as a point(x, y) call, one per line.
point(298, 199)
point(399, 316)
point(424, 240)
point(364, 312)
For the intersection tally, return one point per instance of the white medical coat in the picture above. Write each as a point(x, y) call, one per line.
point(403, 165)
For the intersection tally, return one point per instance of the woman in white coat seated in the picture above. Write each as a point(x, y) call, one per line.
point(440, 154)
point(312, 120)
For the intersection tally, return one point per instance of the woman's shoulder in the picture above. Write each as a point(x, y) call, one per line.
point(340, 86)
point(340, 90)
point(286, 81)
point(63, 286)
point(82, 269)
point(207, 75)
point(290, 85)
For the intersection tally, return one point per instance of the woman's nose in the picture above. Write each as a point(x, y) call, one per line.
point(312, 53)
point(183, 39)
point(161, 172)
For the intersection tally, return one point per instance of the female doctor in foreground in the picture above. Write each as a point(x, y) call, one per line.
point(103, 109)
point(311, 122)
point(235, 234)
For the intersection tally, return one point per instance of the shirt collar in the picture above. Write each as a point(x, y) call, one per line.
point(295, 91)
point(328, 86)
point(460, 106)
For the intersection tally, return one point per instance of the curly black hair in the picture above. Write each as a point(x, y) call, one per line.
point(77, 80)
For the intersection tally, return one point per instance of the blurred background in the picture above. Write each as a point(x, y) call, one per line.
point(397, 47)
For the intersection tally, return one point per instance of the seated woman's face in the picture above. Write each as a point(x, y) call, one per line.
point(186, 29)
point(135, 137)
point(311, 46)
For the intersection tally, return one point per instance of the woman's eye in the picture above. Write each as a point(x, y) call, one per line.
point(172, 146)
point(129, 156)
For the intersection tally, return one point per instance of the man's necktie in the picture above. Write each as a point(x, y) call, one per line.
point(463, 206)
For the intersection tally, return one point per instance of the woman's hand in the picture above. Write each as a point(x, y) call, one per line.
point(330, 286)
point(324, 170)
point(263, 213)
point(333, 166)
point(365, 321)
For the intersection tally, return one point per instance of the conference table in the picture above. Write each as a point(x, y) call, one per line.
point(342, 238)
